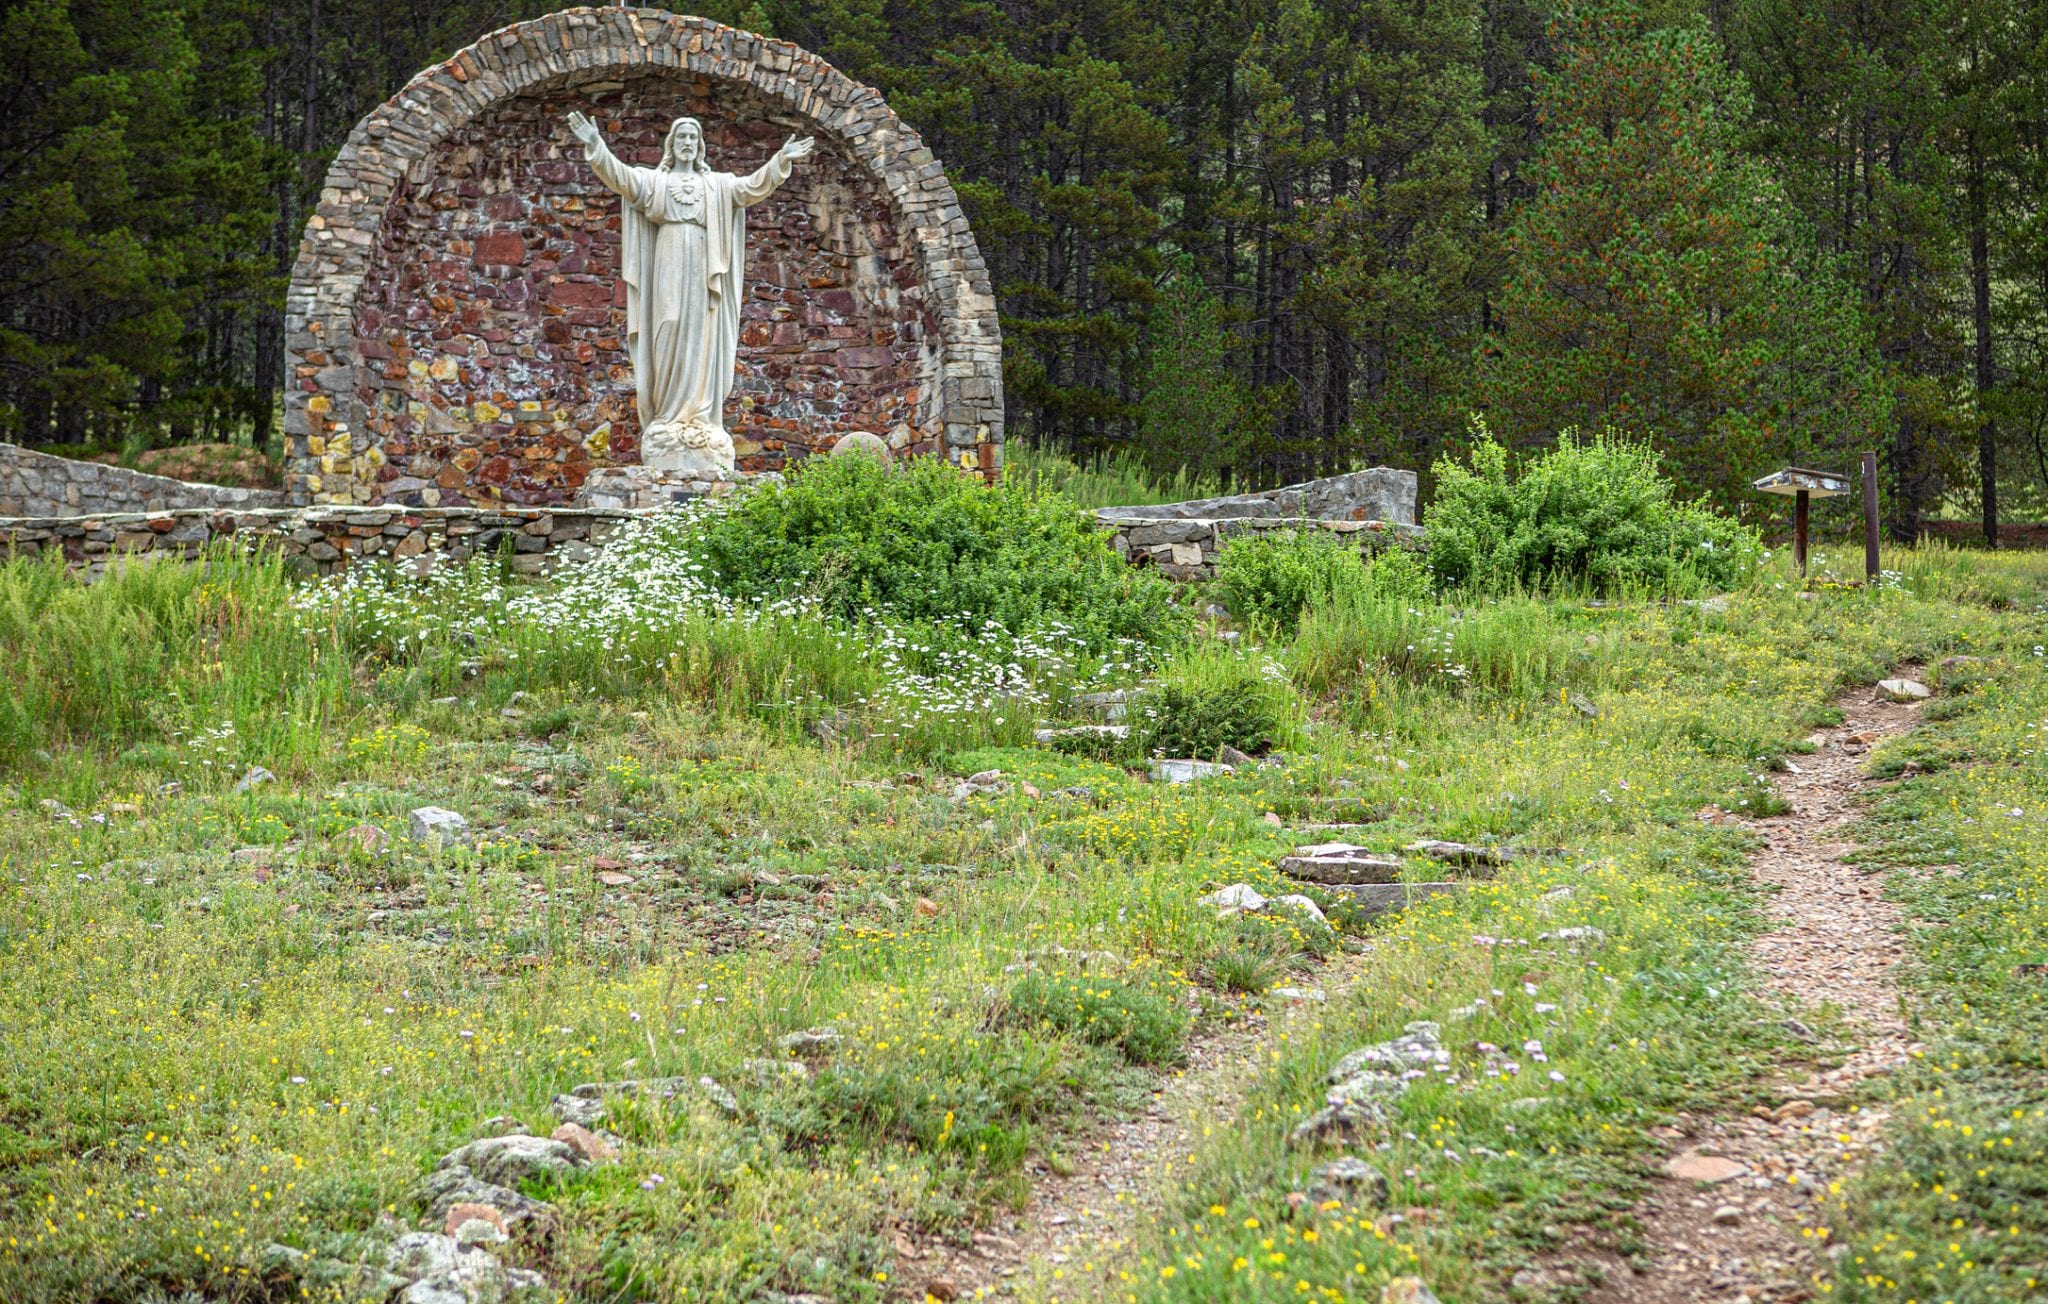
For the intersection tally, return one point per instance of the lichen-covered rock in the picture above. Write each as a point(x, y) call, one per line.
point(1338, 1125)
point(596, 1149)
point(1419, 1046)
point(1238, 896)
point(1352, 1182)
point(508, 1160)
point(1296, 904)
point(436, 826)
point(810, 1041)
point(454, 1184)
point(645, 1088)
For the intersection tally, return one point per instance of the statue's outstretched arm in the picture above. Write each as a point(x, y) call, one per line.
point(600, 157)
point(764, 180)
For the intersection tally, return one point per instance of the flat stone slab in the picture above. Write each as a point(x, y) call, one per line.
point(1904, 690)
point(1337, 863)
point(1457, 853)
point(1691, 1166)
point(1186, 771)
point(1373, 899)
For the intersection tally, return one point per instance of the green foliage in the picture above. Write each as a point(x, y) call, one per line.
point(1270, 577)
point(1142, 1022)
point(667, 888)
point(1594, 513)
point(1194, 410)
point(1968, 1149)
point(209, 657)
point(1399, 574)
point(1660, 284)
point(1211, 699)
point(924, 543)
point(136, 205)
point(1113, 479)
point(1510, 647)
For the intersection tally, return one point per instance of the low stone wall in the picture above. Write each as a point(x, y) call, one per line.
point(37, 484)
point(325, 539)
point(321, 540)
point(1378, 494)
point(1185, 549)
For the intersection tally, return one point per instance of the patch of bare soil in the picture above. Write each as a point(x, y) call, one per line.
point(1734, 1216)
point(1122, 1169)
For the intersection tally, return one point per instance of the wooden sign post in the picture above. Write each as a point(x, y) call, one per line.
point(1803, 486)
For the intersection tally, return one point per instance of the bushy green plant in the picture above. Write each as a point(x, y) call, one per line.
point(1212, 699)
point(1270, 577)
point(1267, 577)
point(924, 543)
point(1144, 1023)
point(1594, 513)
point(1399, 575)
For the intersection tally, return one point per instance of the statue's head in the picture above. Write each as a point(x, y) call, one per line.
point(685, 146)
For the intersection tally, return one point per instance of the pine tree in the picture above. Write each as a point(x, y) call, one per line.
point(1195, 411)
point(1659, 282)
point(1364, 141)
point(88, 301)
point(1855, 114)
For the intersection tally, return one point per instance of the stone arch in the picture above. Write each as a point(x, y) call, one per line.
point(918, 330)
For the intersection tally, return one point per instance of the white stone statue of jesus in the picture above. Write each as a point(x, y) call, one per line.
point(683, 252)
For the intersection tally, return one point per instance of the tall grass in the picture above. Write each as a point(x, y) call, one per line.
point(1512, 646)
point(156, 652)
point(1116, 479)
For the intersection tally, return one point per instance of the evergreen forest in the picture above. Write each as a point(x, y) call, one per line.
point(1258, 241)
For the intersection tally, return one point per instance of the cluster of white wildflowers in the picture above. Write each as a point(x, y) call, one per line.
point(632, 600)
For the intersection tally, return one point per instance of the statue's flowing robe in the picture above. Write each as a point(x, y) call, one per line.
point(684, 261)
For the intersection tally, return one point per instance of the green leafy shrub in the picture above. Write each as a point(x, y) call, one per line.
point(1270, 577)
point(1595, 513)
point(1212, 699)
point(924, 543)
point(1399, 575)
point(1146, 1024)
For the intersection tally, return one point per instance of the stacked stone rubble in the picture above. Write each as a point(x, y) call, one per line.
point(320, 540)
point(1377, 506)
point(1379, 493)
point(1185, 549)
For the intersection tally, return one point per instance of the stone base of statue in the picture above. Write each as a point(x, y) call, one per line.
point(695, 450)
point(642, 487)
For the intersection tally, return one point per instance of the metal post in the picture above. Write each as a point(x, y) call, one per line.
point(1799, 531)
point(1870, 517)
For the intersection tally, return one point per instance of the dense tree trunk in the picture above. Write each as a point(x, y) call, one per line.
point(1980, 321)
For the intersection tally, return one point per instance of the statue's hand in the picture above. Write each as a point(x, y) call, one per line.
point(798, 148)
point(586, 130)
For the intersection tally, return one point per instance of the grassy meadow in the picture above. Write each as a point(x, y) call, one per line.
point(237, 1015)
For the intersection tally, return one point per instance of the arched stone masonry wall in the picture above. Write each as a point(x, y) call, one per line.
point(456, 323)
